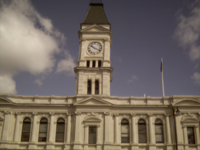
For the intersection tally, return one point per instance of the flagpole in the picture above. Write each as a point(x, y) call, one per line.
point(162, 77)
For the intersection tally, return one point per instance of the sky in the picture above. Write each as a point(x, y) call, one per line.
point(39, 46)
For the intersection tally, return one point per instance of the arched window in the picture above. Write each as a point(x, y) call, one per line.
point(26, 130)
point(43, 130)
point(60, 130)
point(96, 87)
point(142, 131)
point(159, 131)
point(125, 131)
point(89, 87)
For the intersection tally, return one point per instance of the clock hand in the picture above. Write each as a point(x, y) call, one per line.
point(94, 47)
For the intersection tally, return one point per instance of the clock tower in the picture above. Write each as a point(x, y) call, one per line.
point(93, 71)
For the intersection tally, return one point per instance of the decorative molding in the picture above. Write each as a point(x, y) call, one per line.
point(34, 113)
point(107, 113)
point(77, 113)
point(133, 115)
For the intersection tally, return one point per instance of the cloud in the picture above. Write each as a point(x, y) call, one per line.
point(66, 65)
point(7, 85)
point(187, 32)
point(196, 78)
point(133, 78)
point(28, 43)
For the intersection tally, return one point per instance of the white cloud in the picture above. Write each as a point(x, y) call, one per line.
point(7, 85)
point(28, 42)
point(133, 78)
point(196, 78)
point(188, 32)
point(66, 65)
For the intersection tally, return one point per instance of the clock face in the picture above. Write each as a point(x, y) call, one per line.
point(94, 48)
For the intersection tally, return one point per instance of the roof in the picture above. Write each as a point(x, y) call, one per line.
point(96, 15)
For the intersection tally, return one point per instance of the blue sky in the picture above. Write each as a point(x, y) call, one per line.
point(39, 46)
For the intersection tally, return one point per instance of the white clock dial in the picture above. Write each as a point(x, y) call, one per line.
point(94, 48)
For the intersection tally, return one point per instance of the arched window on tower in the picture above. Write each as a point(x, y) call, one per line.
point(124, 131)
point(89, 87)
point(26, 130)
point(43, 130)
point(159, 131)
point(96, 87)
point(60, 130)
point(142, 131)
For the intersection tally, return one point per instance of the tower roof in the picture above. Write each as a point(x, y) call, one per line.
point(96, 15)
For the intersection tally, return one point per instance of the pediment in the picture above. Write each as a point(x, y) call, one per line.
point(187, 103)
point(92, 101)
point(4, 100)
point(95, 28)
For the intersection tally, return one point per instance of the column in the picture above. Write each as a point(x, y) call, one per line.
point(151, 130)
point(151, 133)
point(108, 130)
point(77, 127)
point(134, 132)
point(93, 86)
point(90, 63)
point(96, 64)
point(68, 129)
point(35, 132)
point(77, 142)
point(35, 128)
point(179, 131)
point(18, 127)
point(99, 135)
point(6, 128)
point(52, 129)
point(68, 132)
point(197, 136)
point(168, 129)
point(117, 130)
point(100, 87)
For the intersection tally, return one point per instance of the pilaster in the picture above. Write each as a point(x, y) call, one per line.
point(35, 132)
point(77, 142)
point(18, 127)
point(52, 132)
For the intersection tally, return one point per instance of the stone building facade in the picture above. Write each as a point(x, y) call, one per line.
point(92, 119)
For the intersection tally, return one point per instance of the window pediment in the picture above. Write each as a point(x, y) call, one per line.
point(92, 120)
point(187, 103)
point(5, 101)
point(93, 101)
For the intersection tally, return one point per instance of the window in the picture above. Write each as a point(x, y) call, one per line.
point(43, 130)
point(93, 63)
point(88, 63)
point(89, 87)
point(60, 130)
point(159, 131)
point(26, 130)
point(99, 63)
point(96, 87)
point(92, 134)
point(190, 134)
point(125, 131)
point(142, 131)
